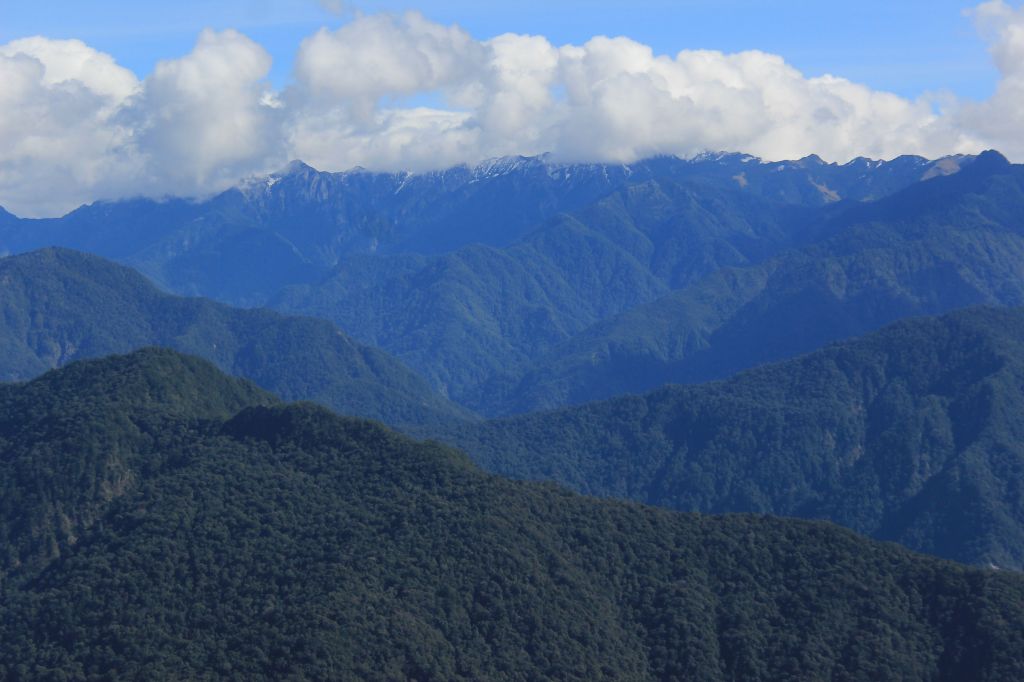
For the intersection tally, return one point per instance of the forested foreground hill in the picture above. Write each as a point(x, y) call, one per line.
point(59, 305)
point(914, 434)
point(189, 536)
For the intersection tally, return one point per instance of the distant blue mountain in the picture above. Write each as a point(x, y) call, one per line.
point(523, 283)
point(293, 226)
point(947, 243)
point(59, 306)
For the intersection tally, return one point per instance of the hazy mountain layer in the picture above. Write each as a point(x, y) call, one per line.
point(303, 216)
point(59, 305)
point(947, 243)
point(481, 279)
point(463, 317)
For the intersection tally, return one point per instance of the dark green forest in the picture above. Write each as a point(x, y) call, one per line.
point(162, 520)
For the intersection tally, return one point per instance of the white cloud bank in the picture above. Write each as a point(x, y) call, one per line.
point(75, 126)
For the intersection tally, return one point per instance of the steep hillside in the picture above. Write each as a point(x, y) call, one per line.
point(947, 243)
point(480, 278)
point(912, 434)
point(75, 440)
point(463, 317)
point(293, 227)
point(286, 542)
point(59, 305)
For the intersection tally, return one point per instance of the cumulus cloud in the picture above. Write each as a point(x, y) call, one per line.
point(402, 92)
point(999, 121)
point(384, 56)
point(610, 99)
point(72, 61)
point(75, 127)
point(207, 118)
point(58, 134)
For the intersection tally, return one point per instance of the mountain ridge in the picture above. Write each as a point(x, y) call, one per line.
point(909, 434)
point(512, 328)
point(583, 183)
point(949, 242)
point(60, 305)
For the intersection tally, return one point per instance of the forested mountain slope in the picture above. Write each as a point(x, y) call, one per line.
point(913, 434)
point(286, 542)
point(59, 305)
point(502, 283)
point(465, 316)
point(947, 243)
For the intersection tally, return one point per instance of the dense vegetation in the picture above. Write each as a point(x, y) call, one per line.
point(913, 434)
point(464, 316)
point(677, 280)
point(59, 305)
point(947, 243)
point(285, 542)
point(75, 440)
point(472, 275)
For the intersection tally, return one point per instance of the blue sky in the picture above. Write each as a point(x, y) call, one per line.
point(905, 46)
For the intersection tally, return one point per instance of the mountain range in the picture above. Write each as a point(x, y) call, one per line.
point(748, 281)
point(319, 217)
point(784, 345)
point(907, 435)
point(672, 281)
point(161, 519)
point(492, 282)
point(935, 246)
